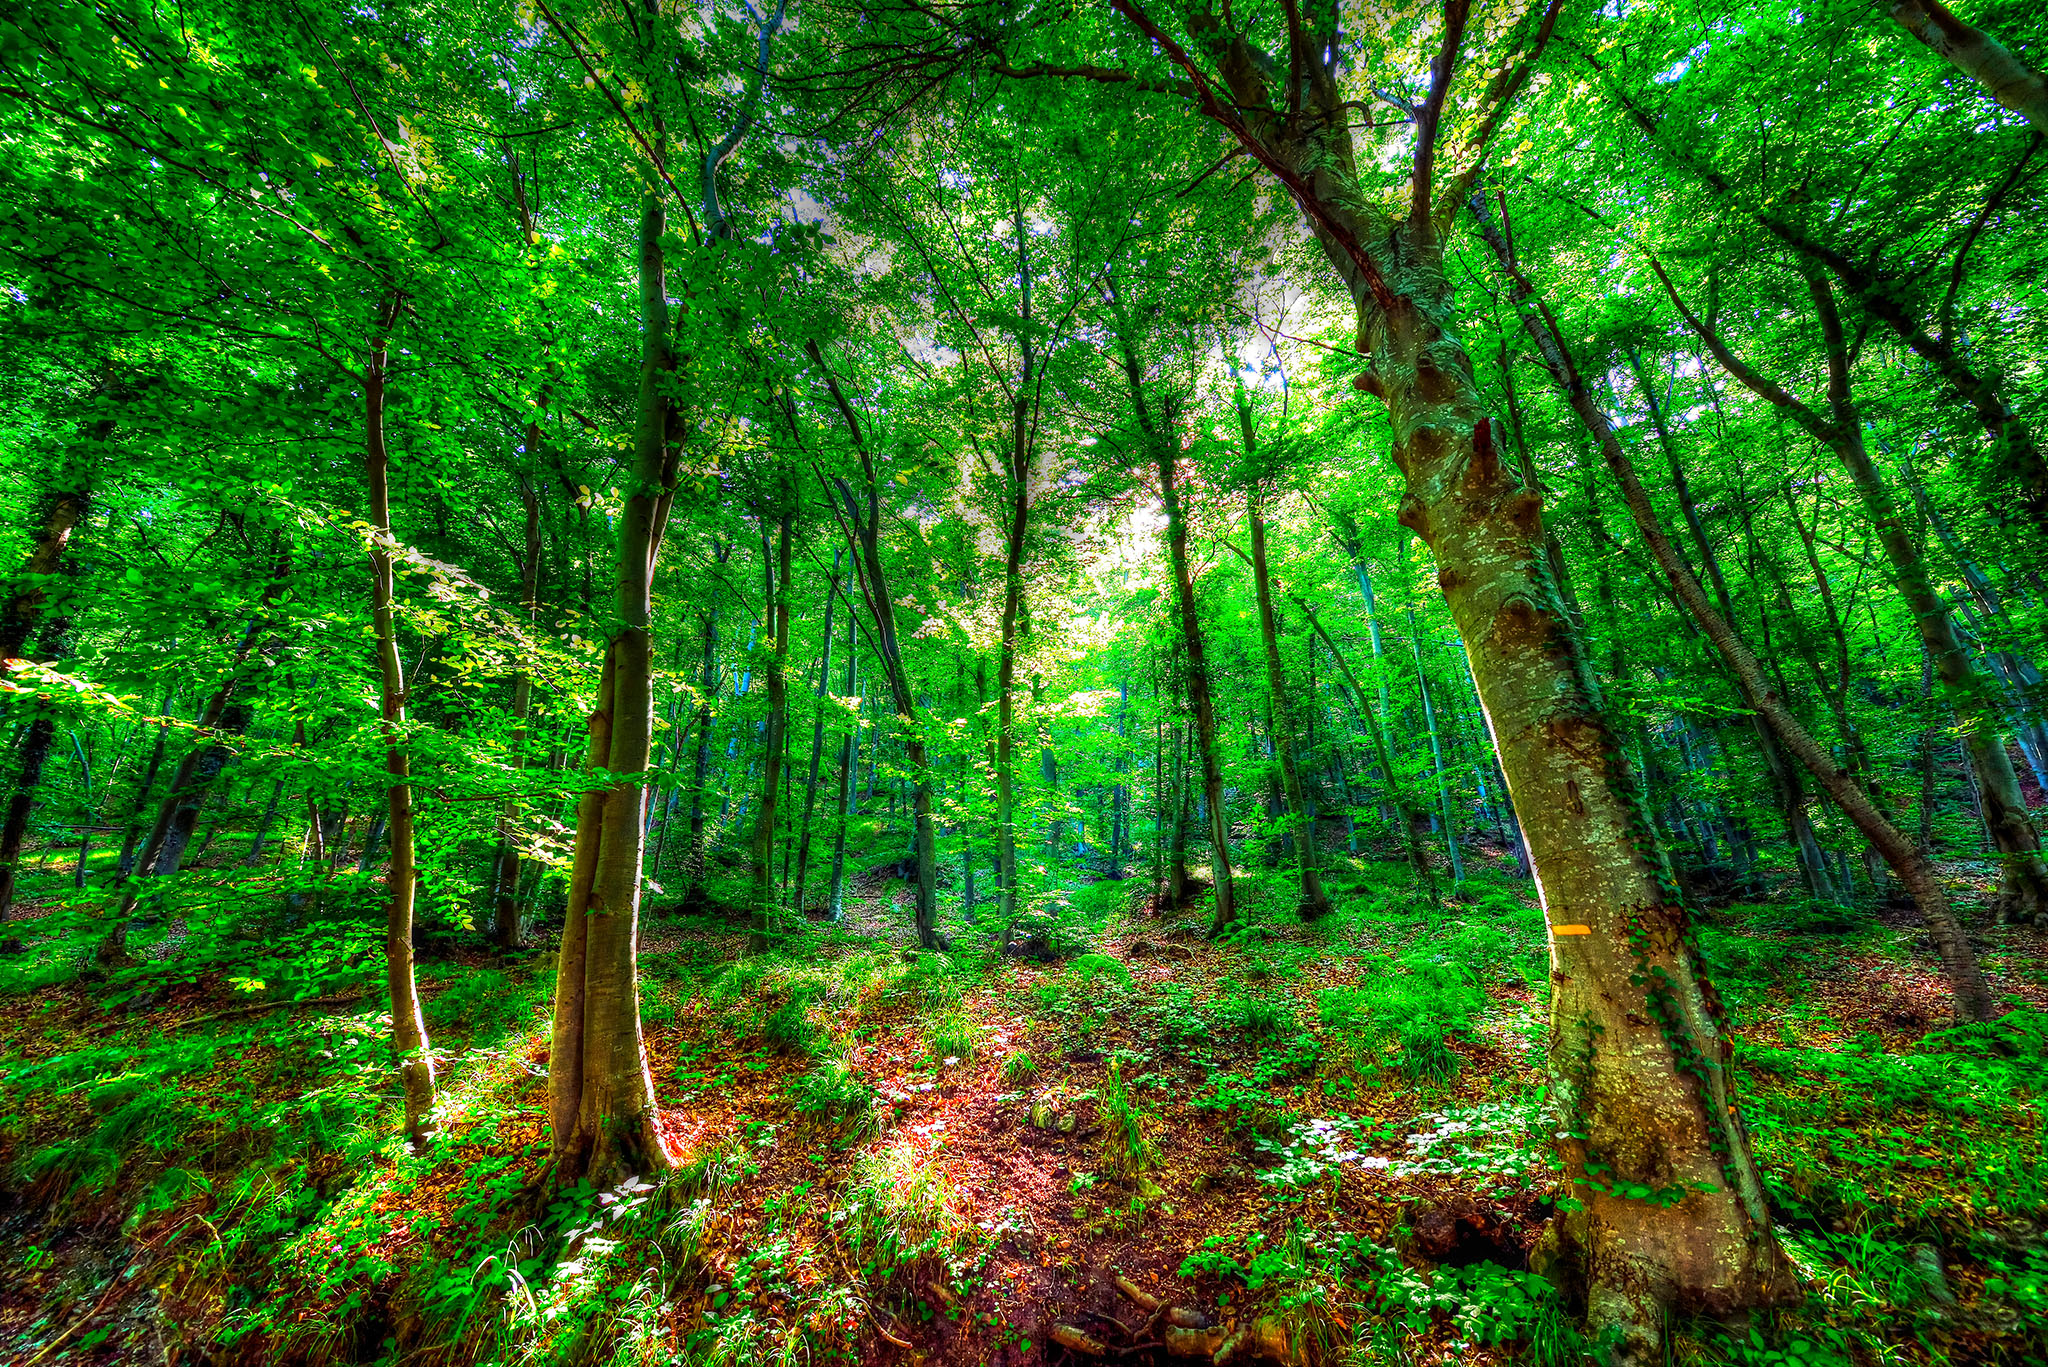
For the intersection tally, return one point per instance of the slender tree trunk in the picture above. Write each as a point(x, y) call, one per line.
point(1972, 996)
point(408, 1025)
point(506, 919)
point(693, 891)
point(803, 843)
point(775, 737)
point(64, 505)
point(1314, 902)
point(1162, 432)
point(601, 1103)
point(2023, 882)
point(863, 525)
point(849, 766)
point(1410, 816)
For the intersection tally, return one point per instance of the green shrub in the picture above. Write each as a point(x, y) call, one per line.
point(954, 1036)
point(1258, 1017)
point(832, 1094)
point(897, 1212)
point(1125, 1150)
point(790, 1029)
point(1019, 1068)
point(1427, 997)
point(1088, 969)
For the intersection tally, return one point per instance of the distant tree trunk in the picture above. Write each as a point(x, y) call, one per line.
point(863, 526)
point(693, 889)
point(132, 827)
point(1314, 902)
point(222, 719)
point(1436, 753)
point(2023, 881)
point(64, 505)
point(849, 766)
point(1409, 814)
point(803, 840)
point(505, 909)
point(255, 855)
point(1161, 434)
point(775, 563)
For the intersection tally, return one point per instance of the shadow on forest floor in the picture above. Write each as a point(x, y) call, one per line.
point(1310, 1144)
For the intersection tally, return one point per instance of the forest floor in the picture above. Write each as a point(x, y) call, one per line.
point(1306, 1144)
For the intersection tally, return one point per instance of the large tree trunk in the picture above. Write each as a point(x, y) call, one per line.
point(602, 1110)
point(1979, 56)
point(1638, 1047)
point(408, 1026)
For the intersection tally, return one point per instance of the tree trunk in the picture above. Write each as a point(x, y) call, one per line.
point(849, 766)
point(1409, 815)
point(862, 523)
point(1979, 56)
point(693, 887)
point(803, 843)
point(1162, 432)
point(506, 930)
point(1314, 902)
point(408, 1026)
point(775, 561)
point(602, 1109)
point(2023, 882)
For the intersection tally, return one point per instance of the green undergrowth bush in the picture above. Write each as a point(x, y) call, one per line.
point(1934, 1142)
point(1430, 996)
point(1084, 995)
point(1126, 1152)
point(1329, 1292)
point(897, 1214)
point(832, 1095)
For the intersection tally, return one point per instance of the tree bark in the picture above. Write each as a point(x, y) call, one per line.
point(602, 1109)
point(862, 523)
point(408, 1025)
point(1979, 56)
point(1314, 902)
point(1162, 433)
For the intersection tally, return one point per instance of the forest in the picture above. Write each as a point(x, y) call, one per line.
point(995, 682)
